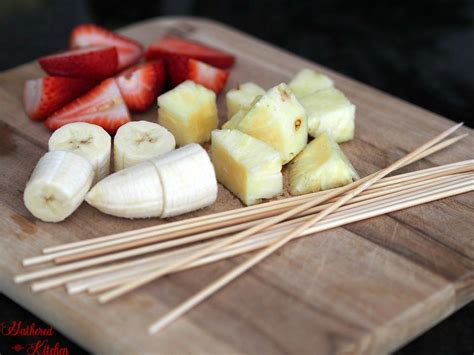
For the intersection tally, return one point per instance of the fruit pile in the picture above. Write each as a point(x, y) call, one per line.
point(99, 79)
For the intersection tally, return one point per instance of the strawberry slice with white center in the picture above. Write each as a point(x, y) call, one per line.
point(43, 96)
point(94, 63)
point(173, 45)
point(141, 85)
point(103, 106)
point(129, 51)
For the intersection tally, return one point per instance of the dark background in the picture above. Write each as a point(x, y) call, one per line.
point(421, 51)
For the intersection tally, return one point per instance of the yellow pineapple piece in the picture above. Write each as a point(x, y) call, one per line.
point(189, 112)
point(308, 81)
point(239, 115)
point(320, 166)
point(248, 167)
point(277, 118)
point(330, 111)
point(241, 97)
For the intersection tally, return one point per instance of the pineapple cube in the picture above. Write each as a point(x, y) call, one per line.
point(241, 97)
point(320, 166)
point(308, 81)
point(330, 111)
point(279, 120)
point(248, 167)
point(189, 112)
point(239, 115)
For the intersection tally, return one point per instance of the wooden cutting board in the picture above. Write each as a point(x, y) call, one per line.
point(369, 287)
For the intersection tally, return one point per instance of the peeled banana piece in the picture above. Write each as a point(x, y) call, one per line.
point(138, 141)
point(89, 141)
point(58, 185)
point(177, 182)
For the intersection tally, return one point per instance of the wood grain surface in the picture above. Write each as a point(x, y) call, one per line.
point(369, 287)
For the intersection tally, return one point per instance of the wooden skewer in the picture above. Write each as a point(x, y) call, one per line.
point(355, 189)
point(228, 277)
point(91, 250)
point(204, 220)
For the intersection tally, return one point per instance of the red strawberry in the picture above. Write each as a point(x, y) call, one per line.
point(129, 51)
point(94, 63)
point(43, 96)
point(141, 85)
point(172, 45)
point(103, 106)
point(181, 69)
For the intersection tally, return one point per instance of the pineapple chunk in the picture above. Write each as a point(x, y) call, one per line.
point(188, 111)
point(248, 167)
point(308, 81)
point(241, 97)
point(239, 115)
point(330, 111)
point(278, 119)
point(320, 166)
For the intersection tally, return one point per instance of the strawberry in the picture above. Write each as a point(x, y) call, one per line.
point(43, 96)
point(141, 85)
point(129, 51)
point(181, 69)
point(103, 106)
point(94, 63)
point(172, 45)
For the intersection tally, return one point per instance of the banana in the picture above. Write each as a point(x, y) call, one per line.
point(89, 141)
point(138, 141)
point(134, 192)
point(188, 180)
point(177, 182)
point(58, 185)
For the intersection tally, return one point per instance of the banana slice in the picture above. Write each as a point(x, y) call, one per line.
point(58, 185)
point(138, 141)
point(89, 141)
point(188, 180)
point(134, 192)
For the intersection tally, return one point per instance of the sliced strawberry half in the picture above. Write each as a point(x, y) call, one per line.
point(43, 96)
point(103, 106)
point(94, 63)
point(129, 51)
point(173, 45)
point(181, 69)
point(141, 85)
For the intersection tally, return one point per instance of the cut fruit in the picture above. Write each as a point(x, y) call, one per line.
point(170, 45)
point(278, 119)
point(93, 63)
point(129, 51)
point(103, 106)
point(138, 141)
point(330, 111)
point(189, 112)
point(308, 81)
point(320, 166)
point(248, 167)
point(242, 97)
point(44, 96)
point(141, 85)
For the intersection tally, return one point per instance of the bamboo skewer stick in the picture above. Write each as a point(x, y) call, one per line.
point(195, 221)
point(355, 189)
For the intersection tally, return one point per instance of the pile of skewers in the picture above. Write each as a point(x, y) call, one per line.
point(114, 265)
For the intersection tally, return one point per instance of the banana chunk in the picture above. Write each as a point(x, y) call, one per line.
point(241, 97)
point(58, 185)
point(278, 119)
point(189, 112)
point(188, 180)
point(330, 111)
point(308, 81)
point(89, 141)
point(248, 167)
point(138, 141)
point(135, 192)
point(320, 166)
